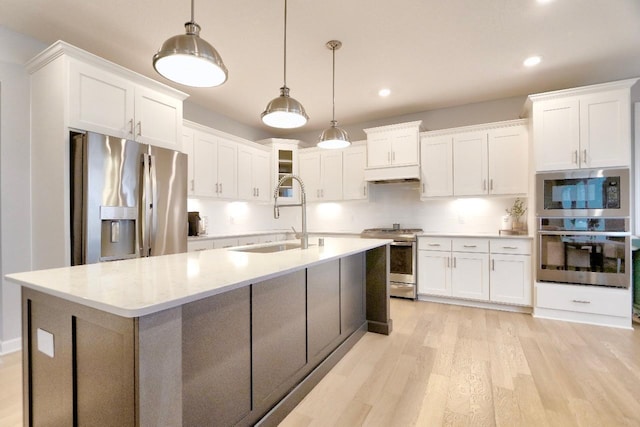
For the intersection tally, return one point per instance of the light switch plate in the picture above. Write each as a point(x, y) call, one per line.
point(45, 342)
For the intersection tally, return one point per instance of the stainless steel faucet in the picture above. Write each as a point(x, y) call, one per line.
point(304, 237)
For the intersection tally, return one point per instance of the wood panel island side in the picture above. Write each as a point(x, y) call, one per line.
point(219, 337)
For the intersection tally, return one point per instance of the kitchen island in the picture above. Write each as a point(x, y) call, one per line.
point(218, 337)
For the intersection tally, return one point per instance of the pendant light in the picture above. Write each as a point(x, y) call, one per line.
point(334, 137)
point(189, 60)
point(284, 112)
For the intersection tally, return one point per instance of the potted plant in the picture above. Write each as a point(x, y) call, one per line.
point(516, 211)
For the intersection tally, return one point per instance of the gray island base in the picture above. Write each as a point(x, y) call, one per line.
point(242, 356)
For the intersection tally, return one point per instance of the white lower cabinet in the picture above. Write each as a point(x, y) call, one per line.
point(491, 270)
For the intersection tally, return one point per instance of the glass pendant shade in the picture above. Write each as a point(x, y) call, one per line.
point(284, 112)
point(334, 137)
point(189, 60)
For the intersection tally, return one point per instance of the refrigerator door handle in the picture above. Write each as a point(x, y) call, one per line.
point(153, 226)
point(145, 211)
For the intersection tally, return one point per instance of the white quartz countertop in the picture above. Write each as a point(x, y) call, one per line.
point(142, 286)
point(474, 235)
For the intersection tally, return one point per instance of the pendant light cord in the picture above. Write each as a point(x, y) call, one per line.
point(285, 43)
point(333, 95)
point(192, 12)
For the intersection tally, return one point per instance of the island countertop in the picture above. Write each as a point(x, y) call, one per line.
point(142, 286)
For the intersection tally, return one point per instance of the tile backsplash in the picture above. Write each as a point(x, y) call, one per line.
point(387, 204)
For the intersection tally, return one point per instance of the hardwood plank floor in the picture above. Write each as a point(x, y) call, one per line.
point(446, 365)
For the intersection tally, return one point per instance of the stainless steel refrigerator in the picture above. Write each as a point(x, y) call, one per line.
point(128, 199)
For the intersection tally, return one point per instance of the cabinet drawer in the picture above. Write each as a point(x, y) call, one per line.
point(199, 245)
point(605, 301)
point(434, 244)
point(470, 245)
point(510, 246)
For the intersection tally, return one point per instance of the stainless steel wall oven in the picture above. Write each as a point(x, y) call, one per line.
point(583, 234)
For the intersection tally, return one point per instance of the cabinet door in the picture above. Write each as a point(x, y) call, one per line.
point(227, 162)
point(309, 164)
point(261, 176)
point(246, 189)
point(204, 161)
point(436, 165)
point(158, 119)
point(285, 162)
point(354, 160)
point(470, 164)
point(199, 245)
point(434, 273)
point(605, 129)
point(378, 150)
point(405, 148)
point(556, 134)
point(331, 175)
point(100, 101)
point(470, 276)
point(188, 136)
point(511, 279)
point(508, 160)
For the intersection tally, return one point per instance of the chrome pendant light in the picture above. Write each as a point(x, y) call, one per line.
point(334, 137)
point(284, 112)
point(189, 60)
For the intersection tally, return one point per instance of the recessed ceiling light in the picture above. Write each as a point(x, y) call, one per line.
point(544, 1)
point(384, 92)
point(532, 61)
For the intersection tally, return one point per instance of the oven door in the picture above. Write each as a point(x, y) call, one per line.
point(402, 263)
point(584, 257)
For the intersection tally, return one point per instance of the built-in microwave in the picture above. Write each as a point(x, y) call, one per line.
point(583, 193)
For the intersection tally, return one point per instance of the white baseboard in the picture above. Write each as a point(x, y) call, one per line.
point(476, 304)
point(10, 346)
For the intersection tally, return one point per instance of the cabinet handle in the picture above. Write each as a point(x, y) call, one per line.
point(364, 190)
point(257, 192)
point(393, 156)
point(484, 185)
point(581, 301)
point(389, 156)
point(470, 246)
point(575, 156)
point(220, 188)
point(509, 247)
point(217, 188)
point(491, 184)
point(131, 126)
point(584, 156)
point(193, 185)
point(434, 244)
point(140, 128)
point(423, 185)
point(493, 265)
point(454, 262)
point(448, 262)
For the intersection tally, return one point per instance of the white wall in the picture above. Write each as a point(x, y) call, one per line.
point(15, 229)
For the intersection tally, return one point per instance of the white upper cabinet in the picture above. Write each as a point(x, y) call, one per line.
point(508, 158)
point(253, 174)
point(489, 159)
point(106, 102)
point(212, 164)
point(470, 170)
point(354, 161)
point(393, 152)
point(436, 161)
point(395, 145)
point(321, 172)
point(588, 127)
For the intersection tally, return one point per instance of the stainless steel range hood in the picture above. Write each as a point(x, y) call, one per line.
point(392, 174)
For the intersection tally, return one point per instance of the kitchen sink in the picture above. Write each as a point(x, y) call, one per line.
point(268, 249)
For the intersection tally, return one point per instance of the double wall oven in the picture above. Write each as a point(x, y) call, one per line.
point(403, 256)
point(583, 234)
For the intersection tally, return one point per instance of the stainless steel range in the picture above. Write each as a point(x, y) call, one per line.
point(402, 258)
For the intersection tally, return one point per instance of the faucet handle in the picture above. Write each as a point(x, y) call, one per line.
point(297, 235)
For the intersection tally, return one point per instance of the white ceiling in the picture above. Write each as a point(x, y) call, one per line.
point(430, 53)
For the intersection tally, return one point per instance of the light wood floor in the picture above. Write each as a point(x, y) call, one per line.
point(446, 365)
point(458, 366)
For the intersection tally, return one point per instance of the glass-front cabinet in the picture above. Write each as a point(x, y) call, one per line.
point(285, 162)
